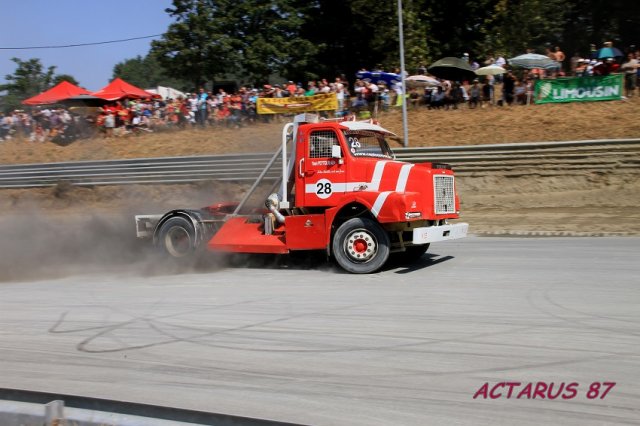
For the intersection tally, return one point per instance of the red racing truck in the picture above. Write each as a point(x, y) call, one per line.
point(339, 190)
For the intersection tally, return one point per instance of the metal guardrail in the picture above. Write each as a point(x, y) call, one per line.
point(120, 411)
point(578, 155)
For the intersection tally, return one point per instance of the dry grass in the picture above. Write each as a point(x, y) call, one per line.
point(596, 120)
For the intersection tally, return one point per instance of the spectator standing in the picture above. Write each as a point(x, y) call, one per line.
point(371, 95)
point(474, 94)
point(291, 88)
point(520, 92)
point(501, 62)
point(456, 96)
point(221, 95)
point(575, 60)
point(560, 57)
point(414, 97)
point(311, 88)
point(600, 68)
point(487, 92)
point(551, 54)
point(212, 104)
point(201, 113)
point(508, 87)
point(193, 108)
point(340, 96)
point(630, 68)
point(5, 126)
point(637, 57)
point(385, 98)
point(581, 68)
point(360, 91)
point(438, 98)
point(324, 87)
point(109, 124)
point(490, 60)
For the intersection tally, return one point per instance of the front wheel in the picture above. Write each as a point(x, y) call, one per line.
point(360, 246)
point(176, 237)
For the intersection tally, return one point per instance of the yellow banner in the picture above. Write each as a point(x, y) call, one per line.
point(323, 102)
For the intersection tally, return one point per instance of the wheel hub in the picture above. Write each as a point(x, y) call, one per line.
point(361, 246)
point(178, 242)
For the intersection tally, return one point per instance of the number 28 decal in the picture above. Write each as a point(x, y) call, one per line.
point(354, 142)
point(323, 188)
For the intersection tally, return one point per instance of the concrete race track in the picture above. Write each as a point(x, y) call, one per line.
point(405, 346)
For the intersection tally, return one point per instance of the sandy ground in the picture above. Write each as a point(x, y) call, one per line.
point(76, 227)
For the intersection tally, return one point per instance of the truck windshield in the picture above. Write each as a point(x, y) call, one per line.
point(367, 144)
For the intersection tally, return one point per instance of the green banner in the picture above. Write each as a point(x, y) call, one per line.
point(579, 89)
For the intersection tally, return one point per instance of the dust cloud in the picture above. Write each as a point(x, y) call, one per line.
point(40, 246)
point(65, 230)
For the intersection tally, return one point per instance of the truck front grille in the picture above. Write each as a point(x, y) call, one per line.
point(444, 194)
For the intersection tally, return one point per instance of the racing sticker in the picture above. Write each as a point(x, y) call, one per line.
point(324, 188)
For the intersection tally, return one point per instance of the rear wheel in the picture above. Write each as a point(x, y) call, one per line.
point(360, 246)
point(177, 237)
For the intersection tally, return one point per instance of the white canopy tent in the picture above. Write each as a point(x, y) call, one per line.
point(167, 92)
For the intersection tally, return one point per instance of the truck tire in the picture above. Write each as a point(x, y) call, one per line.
point(176, 237)
point(360, 246)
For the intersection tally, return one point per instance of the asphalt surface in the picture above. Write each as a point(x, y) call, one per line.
point(407, 346)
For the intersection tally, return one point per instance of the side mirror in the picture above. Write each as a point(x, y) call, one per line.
point(336, 152)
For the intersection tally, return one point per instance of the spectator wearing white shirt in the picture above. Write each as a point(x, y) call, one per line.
point(501, 62)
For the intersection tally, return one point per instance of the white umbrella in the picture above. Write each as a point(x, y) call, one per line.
point(421, 81)
point(533, 60)
point(491, 70)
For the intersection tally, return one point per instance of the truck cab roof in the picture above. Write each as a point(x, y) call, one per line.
point(363, 125)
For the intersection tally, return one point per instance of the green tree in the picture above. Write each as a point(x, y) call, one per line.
point(201, 44)
point(595, 21)
point(147, 72)
point(456, 26)
point(351, 34)
point(59, 78)
point(29, 79)
point(215, 39)
point(518, 25)
point(416, 23)
point(268, 38)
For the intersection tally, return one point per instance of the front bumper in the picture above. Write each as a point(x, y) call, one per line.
point(432, 234)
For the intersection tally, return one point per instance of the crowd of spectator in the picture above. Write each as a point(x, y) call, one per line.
point(199, 109)
point(517, 86)
point(366, 98)
point(44, 124)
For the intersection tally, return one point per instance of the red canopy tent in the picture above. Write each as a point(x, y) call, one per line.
point(63, 90)
point(119, 89)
